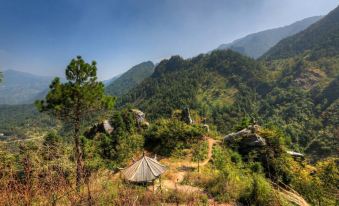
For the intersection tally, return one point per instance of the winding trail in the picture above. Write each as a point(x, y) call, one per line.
point(181, 168)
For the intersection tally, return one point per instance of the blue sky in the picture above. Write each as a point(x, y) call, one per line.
point(41, 36)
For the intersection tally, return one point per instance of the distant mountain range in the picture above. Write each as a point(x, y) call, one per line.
point(21, 87)
point(256, 44)
point(24, 88)
point(320, 39)
point(130, 79)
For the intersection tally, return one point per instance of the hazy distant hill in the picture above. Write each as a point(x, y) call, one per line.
point(255, 45)
point(21, 87)
point(111, 80)
point(321, 39)
point(130, 79)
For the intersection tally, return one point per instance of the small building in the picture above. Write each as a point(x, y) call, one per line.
point(144, 170)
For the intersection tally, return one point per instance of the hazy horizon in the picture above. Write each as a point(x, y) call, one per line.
point(41, 36)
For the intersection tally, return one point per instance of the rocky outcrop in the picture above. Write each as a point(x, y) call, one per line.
point(103, 127)
point(140, 118)
point(186, 116)
point(247, 136)
point(248, 139)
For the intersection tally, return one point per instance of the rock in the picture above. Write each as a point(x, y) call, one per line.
point(206, 127)
point(107, 127)
point(295, 154)
point(246, 136)
point(140, 118)
point(186, 117)
point(103, 127)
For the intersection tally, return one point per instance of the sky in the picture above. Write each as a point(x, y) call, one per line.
point(42, 36)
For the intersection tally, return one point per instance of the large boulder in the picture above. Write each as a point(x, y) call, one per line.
point(140, 118)
point(246, 137)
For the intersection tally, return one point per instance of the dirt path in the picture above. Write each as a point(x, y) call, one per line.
point(179, 169)
point(211, 142)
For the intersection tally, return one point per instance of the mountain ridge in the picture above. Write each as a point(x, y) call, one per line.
point(256, 44)
point(130, 78)
point(321, 38)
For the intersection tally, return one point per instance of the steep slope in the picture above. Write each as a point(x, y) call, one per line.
point(214, 84)
point(305, 96)
point(320, 39)
point(130, 79)
point(22, 88)
point(255, 45)
point(296, 95)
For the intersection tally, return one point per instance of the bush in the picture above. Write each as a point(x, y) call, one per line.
point(166, 134)
point(261, 193)
point(118, 147)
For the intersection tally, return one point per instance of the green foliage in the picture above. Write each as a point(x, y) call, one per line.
point(19, 120)
point(318, 185)
point(165, 135)
point(117, 148)
point(261, 193)
point(236, 180)
point(78, 98)
point(74, 101)
point(52, 139)
point(204, 83)
point(199, 151)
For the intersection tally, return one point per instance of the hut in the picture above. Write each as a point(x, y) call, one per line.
point(144, 170)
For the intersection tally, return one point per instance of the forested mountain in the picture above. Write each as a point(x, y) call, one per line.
point(297, 94)
point(130, 79)
point(320, 39)
point(22, 88)
point(205, 82)
point(255, 45)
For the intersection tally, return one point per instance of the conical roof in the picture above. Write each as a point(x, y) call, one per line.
point(144, 170)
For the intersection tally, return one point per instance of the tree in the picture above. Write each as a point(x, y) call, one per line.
point(200, 152)
point(75, 101)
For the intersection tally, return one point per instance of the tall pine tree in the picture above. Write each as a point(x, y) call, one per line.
point(75, 101)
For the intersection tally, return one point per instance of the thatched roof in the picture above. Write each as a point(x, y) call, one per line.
point(144, 170)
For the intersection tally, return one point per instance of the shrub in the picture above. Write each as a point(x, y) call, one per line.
point(261, 193)
point(164, 136)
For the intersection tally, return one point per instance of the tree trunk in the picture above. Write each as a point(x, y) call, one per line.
point(78, 156)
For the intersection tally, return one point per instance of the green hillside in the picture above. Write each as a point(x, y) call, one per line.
point(207, 83)
point(130, 79)
point(296, 95)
